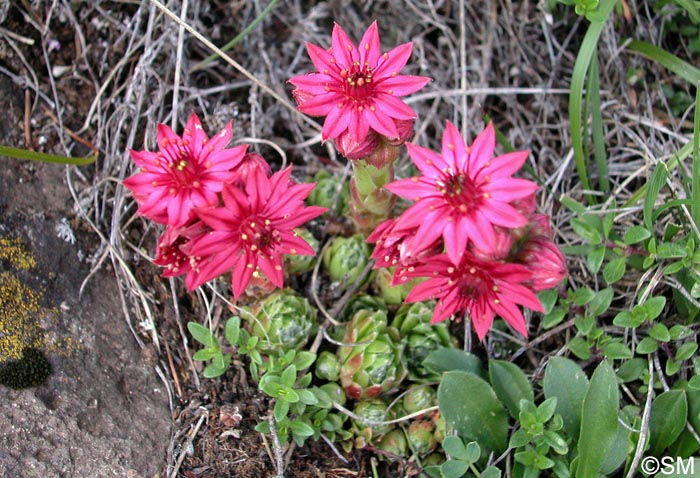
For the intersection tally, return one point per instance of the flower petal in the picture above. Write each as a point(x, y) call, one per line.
point(393, 107)
point(481, 151)
point(402, 85)
point(393, 61)
point(369, 46)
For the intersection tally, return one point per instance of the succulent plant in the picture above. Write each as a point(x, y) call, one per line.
point(419, 337)
point(346, 258)
point(297, 264)
point(283, 321)
point(419, 397)
point(328, 366)
point(375, 410)
point(421, 436)
point(371, 361)
point(394, 443)
point(363, 301)
point(330, 190)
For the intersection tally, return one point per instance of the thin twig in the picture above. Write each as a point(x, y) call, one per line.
point(644, 429)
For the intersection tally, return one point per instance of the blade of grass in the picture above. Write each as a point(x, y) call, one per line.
point(593, 96)
point(678, 66)
point(695, 179)
point(671, 165)
point(581, 67)
point(45, 157)
point(266, 11)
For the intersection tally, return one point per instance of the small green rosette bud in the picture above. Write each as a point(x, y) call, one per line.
point(346, 258)
point(392, 294)
point(419, 337)
point(331, 192)
point(297, 264)
point(328, 366)
point(394, 442)
point(373, 409)
point(283, 321)
point(421, 436)
point(363, 301)
point(419, 397)
point(370, 358)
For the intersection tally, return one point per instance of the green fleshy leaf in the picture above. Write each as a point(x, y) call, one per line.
point(566, 380)
point(669, 412)
point(510, 384)
point(472, 408)
point(599, 414)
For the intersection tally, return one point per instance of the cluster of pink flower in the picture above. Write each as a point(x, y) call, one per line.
point(497, 251)
point(472, 232)
point(223, 208)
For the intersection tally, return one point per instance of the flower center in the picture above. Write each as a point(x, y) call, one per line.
point(460, 192)
point(357, 83)
point(259, 234)
point(473, 284)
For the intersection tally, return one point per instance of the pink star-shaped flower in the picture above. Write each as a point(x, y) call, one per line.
point(484, 288)
point(252, 229)
point(462, 193)
point(357, 89)
point(185, 173)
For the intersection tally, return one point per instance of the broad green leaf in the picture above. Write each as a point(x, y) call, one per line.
point(548, 298)
point(448, 359)
point(615, 350)
point(598, 421)
point(491, 472)
point(204, 354)
point(594, 259)
point(453, 468)
point(572, 205)
point(217, 367)
point(454, 446)
point(280, 410)
point(471, 407)
point(636, 234)
point(671, 250)
point(614, 270)
point(553, 318)
point(617, 452)
point(304, 359)
point(653, 307)
point(201, 333)
point(510, 384)
point(580, 348)
point(566, 380)
point(647, 346)
point(669, 412)
point(660, 333)
point(686, 351)
point(583, 296)
point(601, 302)
point(233, 330)
point(300, 428)
point(631, 370)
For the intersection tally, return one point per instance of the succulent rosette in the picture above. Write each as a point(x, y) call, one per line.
point(376, 411)
point(282, 321)
point(394, 443)
point(419, 337)
point(418, 397)
point(328, 366)
point(346, 258)
point(371, 357)
point(331, 192)
point(421, 436)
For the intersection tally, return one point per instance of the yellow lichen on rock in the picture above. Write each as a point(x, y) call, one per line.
point(12, 251)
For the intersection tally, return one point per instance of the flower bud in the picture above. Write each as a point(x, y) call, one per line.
point(546, 262)
point(328, 366)
point(349, 147)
